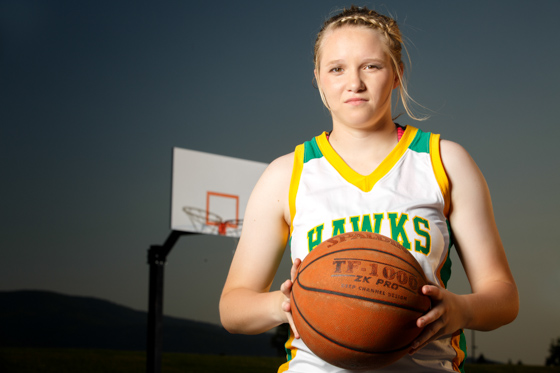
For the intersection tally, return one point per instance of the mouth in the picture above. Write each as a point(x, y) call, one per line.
point(355, 101)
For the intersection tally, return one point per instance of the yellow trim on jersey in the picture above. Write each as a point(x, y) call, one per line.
point(294, 183)
point(439, 170)
point(366, 183)
point(460, 357)
point(293, 351)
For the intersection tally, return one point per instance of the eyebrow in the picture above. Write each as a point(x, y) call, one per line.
point(339, 61)
point(334, 62)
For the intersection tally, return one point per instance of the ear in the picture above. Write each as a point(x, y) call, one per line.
point(315, 81)
point(397, 81)
point(316, 74)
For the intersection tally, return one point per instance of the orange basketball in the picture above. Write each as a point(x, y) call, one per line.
point(356, 298)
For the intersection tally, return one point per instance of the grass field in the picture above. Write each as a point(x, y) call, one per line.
point(36, 360)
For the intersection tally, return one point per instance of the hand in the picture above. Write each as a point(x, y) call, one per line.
point(446, 316)
point(286, 289)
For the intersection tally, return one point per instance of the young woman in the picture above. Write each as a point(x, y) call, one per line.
point(369, 173)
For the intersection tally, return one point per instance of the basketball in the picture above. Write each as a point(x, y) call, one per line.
point(356, 298)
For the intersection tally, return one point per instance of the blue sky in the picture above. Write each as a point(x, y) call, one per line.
point(94, 96)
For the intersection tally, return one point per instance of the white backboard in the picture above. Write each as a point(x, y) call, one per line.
point(209, 191)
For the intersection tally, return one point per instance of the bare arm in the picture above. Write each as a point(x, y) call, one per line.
point(494, 299)
point(247, 306)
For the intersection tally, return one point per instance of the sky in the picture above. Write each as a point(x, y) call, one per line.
point(94, 96)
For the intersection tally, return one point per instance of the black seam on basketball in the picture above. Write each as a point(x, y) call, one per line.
point(340, 344)
point(360, 298)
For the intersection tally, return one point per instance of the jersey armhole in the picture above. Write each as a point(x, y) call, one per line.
point(439, 171)
point(294, 182)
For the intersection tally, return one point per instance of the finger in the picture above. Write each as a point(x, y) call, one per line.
point(433, 292)
point(418, 345)
point(430, 332)
point(435, 313)
point(295, 267)
point(286, 305)
point(430, 317)
point(293, 326)
point(286, 288)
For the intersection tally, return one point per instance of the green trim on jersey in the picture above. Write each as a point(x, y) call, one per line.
point(312, 150)
point(445, 272)
point(463, 346)
point(421, 142)
point(288, 351)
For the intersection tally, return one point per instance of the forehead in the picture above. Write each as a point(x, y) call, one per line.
point(348, 40)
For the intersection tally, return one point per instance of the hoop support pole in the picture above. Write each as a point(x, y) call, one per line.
point(157, 256)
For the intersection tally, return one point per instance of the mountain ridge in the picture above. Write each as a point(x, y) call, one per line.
point(37, 318)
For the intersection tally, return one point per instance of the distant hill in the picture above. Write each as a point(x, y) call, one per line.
point(48, 319)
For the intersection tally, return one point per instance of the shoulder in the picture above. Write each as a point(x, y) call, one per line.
point(272, 190)
point(280, 168)
point(468, 185)
point(282, 163)
point(456, 159)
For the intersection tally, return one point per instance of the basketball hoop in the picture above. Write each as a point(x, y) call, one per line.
point(208, 222)
point(200, 219)
point(233, 226)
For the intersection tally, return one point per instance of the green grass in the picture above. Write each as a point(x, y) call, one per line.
point(496, 368)
point(48, 360)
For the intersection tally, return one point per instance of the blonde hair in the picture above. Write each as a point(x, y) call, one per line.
point(389, 30)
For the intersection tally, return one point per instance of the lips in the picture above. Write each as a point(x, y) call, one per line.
point(355, 101)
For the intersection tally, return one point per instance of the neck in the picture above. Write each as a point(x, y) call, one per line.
point(382, 133)
point(364, 149)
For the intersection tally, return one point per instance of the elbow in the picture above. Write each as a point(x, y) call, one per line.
point(513, 305)
point(230, 317)
point(498, 310)
point(514, 308)
point(225, 318)
point(229, 326)
point(509, 310)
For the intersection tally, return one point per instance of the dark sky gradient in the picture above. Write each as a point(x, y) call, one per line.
point(94, 95)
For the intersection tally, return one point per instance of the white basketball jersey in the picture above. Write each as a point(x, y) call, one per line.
point(406, 198)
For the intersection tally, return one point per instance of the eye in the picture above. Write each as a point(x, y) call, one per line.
point(372, 67)
point(336, 69)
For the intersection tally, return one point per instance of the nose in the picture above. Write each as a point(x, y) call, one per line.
point(355, 82)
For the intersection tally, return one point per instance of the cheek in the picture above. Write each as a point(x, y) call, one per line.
point(329, 86)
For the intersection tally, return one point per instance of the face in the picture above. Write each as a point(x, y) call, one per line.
point(356, 76)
